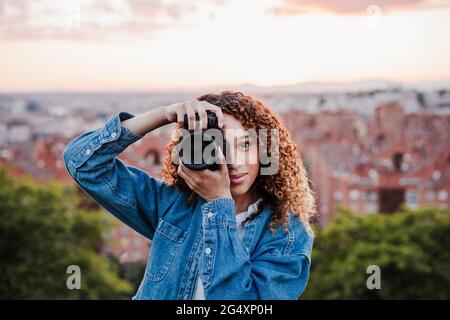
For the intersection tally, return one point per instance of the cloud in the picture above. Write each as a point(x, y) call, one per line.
point(92, 19)
point(351, 7)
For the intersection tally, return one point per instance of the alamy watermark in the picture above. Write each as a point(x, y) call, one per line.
point(74, 280)
point(374, 280)
point(374, 17)
point(192, 145)
point(73, 18)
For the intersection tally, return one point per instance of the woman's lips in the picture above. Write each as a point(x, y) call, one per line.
point(237, 178)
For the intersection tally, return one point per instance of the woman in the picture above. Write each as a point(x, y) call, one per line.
point(232, 233)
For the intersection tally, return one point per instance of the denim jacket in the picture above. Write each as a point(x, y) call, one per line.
point(188, 240)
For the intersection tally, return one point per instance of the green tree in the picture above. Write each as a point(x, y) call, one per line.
point(410, 247)
point(43, 230)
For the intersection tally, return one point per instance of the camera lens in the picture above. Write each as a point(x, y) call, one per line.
point(199, 148)
point(213, 122)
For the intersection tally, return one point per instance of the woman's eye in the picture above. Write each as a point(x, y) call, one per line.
point(245, 144)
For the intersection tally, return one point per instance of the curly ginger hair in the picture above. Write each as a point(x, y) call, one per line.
point(288, 188)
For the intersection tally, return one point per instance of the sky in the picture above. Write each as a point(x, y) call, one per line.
point(141, 45)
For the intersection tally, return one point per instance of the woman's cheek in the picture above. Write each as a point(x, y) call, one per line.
point(253, 171)
point(241, 157)
point(254, 158)
point(247, 157)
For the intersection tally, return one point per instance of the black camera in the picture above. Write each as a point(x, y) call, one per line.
point(199, 148)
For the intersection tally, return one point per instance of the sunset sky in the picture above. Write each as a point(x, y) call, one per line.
point(101, 45)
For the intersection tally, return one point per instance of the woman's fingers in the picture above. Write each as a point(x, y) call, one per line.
point(203, 116)
point(216, 110)
point(191, 117)
point(192, 108)
point(185, 177)
point(180, 115)
point(190, 185)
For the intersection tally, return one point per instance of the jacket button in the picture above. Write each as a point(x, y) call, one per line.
point(210, 214)
point(88, 152)
point(113, 135)
point(208, 250)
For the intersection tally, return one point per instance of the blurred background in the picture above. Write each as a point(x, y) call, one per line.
point(362, 86)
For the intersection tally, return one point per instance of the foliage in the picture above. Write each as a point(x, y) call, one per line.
point(410, 247)
point(43, 230)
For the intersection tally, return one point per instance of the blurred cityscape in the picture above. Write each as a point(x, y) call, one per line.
point(368, 149)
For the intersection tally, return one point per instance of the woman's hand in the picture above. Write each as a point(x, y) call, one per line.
point(175, 113)
point(206, 183)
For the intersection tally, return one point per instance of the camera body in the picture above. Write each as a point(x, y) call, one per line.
point(201, 146)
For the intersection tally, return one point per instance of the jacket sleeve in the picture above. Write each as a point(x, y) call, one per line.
point(277, 270)
point(129, 193)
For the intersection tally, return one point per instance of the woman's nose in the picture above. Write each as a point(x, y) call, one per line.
point(234, 156)
point(232, 166)
point(235, 159)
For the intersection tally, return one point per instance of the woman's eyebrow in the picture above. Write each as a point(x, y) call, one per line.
point(243, 136)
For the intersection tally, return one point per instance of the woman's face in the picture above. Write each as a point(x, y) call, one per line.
point(242, 156)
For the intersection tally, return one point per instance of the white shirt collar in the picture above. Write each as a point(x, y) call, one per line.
point(251, 209)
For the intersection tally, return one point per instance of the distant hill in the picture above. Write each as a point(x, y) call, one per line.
point(315, 87)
